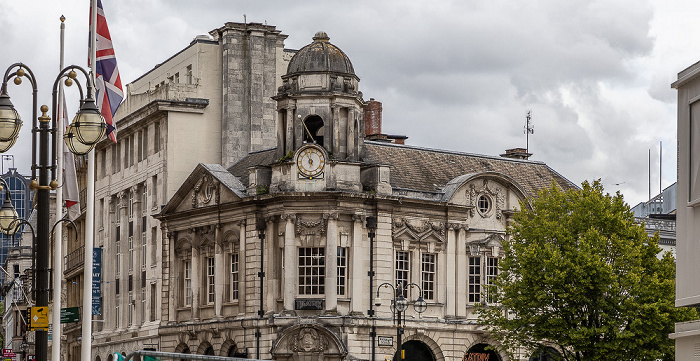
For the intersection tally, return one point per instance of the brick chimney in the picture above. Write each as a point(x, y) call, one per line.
point(373, 117)
point(517, 153)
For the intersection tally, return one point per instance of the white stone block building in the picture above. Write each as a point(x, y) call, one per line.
point(235, 223)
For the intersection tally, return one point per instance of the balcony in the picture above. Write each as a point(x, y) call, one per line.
point(74, 260)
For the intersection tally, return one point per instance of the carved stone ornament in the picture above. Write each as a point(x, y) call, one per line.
point(420, 231)
point(308, 340)
point(494, 192)
point(316, 226)
point(204, 191)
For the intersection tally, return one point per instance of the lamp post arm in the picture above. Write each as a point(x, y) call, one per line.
point(65, 219)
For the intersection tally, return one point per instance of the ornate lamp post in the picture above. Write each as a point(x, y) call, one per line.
point(87, 129)
point(399, 305)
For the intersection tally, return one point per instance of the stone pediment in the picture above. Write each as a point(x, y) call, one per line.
point(207, 185)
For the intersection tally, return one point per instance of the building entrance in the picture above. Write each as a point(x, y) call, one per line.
point(415, 351)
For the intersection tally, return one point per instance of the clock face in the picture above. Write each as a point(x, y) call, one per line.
point(311, 162)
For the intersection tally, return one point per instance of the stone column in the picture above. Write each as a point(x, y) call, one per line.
point(290, 270)
point(462, 266)
point(450, 272)
point(331, 282)
point(242, 290)
point(196, 280)
point(289, 135)
point(271, 291)
point(219, 272)
point(335, 129)
point(351, 154)
point(360, 266)
point(173, 268)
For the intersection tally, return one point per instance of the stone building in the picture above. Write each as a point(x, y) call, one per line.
point(275, 223)
point(687, 334)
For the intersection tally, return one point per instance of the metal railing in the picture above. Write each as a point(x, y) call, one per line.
point(74, 259)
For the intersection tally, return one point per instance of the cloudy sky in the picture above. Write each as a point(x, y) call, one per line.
point(456, 75)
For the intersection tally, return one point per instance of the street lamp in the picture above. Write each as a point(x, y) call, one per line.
point(399, 305)
point(8, 214)
point(88, 130)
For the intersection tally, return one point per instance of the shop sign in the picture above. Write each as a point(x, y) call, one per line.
point(308, 304)
point(476, 356)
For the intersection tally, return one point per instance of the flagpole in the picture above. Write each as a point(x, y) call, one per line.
point(58, 237)
point(86, 351)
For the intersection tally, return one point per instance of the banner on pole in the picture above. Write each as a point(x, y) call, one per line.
point(96, 280)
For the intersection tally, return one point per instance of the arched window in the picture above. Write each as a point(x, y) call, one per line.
point(314, 124)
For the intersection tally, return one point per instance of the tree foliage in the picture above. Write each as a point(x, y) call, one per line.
point(579, 275)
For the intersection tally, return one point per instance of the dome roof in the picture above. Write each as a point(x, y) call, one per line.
point(320, 56)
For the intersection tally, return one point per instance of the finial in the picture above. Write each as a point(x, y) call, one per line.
point(321, 36)
point(63, 18)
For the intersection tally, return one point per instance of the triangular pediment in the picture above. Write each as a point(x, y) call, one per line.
point(207, 185)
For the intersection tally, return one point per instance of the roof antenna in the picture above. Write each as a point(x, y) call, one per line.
point(245, 21)
point(528, 129)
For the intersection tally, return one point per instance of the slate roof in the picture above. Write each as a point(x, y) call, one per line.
point(430, 170)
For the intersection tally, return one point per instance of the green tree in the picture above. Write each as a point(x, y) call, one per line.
point(579, 275)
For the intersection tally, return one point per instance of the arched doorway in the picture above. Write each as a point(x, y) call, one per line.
point(481, 352)
point(415, 350)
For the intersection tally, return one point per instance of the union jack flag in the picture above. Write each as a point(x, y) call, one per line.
point(109, 93)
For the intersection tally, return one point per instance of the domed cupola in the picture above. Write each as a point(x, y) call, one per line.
point(319, 67)
point(319, 103)
point(320, 56)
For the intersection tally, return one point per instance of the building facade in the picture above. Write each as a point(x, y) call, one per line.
point(252, 207)
point(687, 334)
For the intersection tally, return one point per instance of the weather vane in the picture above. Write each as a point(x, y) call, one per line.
point(528, 129)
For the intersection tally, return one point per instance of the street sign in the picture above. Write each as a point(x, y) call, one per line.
point(8, 353)
point(385, 341)
point(70, 314)
point(39, 318)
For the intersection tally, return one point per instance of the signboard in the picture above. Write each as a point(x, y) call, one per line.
point(8, 353)
point(39, 318)
point(70, 314)
point(308, 304)
point(385, 341)
point(96, 280)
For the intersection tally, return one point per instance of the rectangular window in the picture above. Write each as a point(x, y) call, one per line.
point(131, 308)
point(131, 253)
point(156, 137)
point(153, 302)
point(143, 304)
point(491, 273)
point(342, 271)
point(312, 270)
point(402, 270)
point(187, 277)
point(103, 163)
point(176, 78)
point(131, 150)
point(126, 152)
point(115, 159)
point(234, 276)
point(143, 243)
point(188, 74)
point(117, 264)
point(154, 193)
point(140, 140)
point(154, 246)
point(116, 315)
point(428, 275)
point(474, 279)
point(210, 280)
